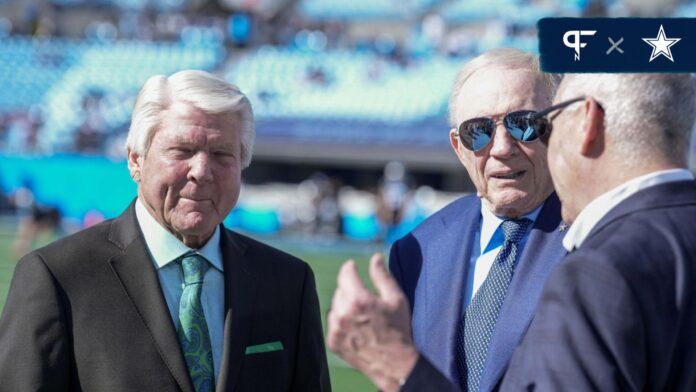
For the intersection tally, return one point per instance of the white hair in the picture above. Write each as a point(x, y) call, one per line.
point(198, 88)
point(504, 58)
point(644, 114)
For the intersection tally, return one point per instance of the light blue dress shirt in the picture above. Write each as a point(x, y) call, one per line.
point(490, 238)
point(165, 249)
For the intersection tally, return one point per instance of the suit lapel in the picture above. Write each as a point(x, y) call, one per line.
point(446, 277)
point(540, 254)
point(139, 280)
point(241, 283)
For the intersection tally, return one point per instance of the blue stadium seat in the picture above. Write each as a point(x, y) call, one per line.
point(346, 88)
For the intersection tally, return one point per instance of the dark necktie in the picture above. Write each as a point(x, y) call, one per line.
point(476, 327)
point(193, 329)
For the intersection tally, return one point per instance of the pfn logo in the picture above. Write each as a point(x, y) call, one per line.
point(576, 44)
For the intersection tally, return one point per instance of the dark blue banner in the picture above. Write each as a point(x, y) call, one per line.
point(617, 44)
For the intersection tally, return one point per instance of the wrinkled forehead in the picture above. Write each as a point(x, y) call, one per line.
point(493, 92)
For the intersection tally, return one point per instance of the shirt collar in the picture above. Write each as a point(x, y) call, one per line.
point(165, 247)
point(490, 223)
point(599, 207)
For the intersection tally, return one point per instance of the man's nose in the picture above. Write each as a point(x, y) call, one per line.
point(200, 170)
point(503, 145)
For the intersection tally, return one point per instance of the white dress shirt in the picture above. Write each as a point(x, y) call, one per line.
point(487, 244)
point(165, 249)
point(599, 207)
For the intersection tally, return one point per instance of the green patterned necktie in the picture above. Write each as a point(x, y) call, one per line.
point(193, 330)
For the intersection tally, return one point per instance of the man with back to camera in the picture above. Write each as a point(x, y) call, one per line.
point(163, 297)
point(619, 312)
point(473, 271)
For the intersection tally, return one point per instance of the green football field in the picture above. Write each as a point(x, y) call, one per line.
point(325, 264)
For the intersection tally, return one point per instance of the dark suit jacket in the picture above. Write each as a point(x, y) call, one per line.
point(431, 266)
point(620, 312)
point(87, 313)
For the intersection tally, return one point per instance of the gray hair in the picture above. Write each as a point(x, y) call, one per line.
point(198, 88)
point(505, 58)
point(644, 114)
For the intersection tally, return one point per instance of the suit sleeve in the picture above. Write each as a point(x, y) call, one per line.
point(311, 369)
point(587, 333)
point(34, 345)
point(400, 269)
point(395, 264)
point(426, 378)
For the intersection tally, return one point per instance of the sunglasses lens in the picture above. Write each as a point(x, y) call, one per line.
point(476, 133)
point(524, 127)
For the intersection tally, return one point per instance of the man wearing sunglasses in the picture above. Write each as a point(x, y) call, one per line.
point(620, 312)
point(473, 272)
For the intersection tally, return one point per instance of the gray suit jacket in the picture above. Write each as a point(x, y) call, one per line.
point(87, 313)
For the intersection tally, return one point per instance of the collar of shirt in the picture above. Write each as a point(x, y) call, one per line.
point(490, 224)
point(165, 247)
point(599, 207)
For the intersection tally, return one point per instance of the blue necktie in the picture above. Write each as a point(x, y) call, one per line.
point(476, 327)
point(193, 329)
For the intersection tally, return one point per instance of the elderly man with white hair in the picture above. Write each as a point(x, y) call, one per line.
point(164, 297)
point(619, 312)
point(472, 273)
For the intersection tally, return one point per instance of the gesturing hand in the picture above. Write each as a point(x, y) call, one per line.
point(372, 332)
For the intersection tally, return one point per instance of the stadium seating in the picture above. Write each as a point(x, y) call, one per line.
point(28, 69)
point(455, 11)
point(56, 75)
point(129, 64)
point(161, 5)
point(363, 9)
point(354, 86)
point(518, 12)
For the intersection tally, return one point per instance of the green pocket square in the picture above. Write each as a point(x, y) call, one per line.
point(264, 348)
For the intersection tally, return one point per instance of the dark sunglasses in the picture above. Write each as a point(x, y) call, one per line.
point(522, 125)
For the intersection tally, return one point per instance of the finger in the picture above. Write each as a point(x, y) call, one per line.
point(386, 286)
point(336, 319)
point(338, 302)
point(335, 334)
point(349, 280)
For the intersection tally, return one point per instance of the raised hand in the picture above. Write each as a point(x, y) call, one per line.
point(372, 332)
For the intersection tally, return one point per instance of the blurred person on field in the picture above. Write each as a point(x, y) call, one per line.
point(34, 219)
point(393, 196)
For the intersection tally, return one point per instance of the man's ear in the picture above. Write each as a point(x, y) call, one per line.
point(592, 142)
point(134, 164)
point(455, 143)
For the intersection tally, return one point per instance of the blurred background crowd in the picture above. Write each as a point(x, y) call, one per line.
point(350, 99)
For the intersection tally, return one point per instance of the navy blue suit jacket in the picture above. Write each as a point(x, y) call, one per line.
point(619, 314)
point(431, 266)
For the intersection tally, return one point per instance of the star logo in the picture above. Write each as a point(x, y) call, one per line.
point(661, 45)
